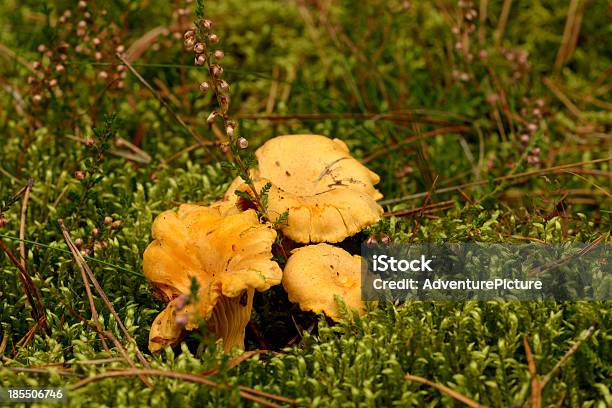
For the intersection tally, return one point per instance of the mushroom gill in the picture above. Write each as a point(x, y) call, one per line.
point(228, 253)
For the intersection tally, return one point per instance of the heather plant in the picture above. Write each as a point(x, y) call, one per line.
point(487, 122)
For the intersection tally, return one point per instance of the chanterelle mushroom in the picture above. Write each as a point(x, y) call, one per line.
point(316, 274)
point(327, 193)
point(227, 252)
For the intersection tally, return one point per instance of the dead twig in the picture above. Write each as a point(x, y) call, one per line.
point(583, 337)
point(80, 260)
point(245, 392)
point(22, 225)
point(30, 290)
point(562, 97)
point(420, 213)
point(503, 20)
point(233, 362)
point(385, 150)
point(537, 172)
point(536, 387)
point(3, 343)
point(426, 209)
point(92, 306)
point(444, 389)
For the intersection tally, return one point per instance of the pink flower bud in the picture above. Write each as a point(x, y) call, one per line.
point(204, 87)
point(59, 68)
point(198, 48)
point(78, 242)
point(224, 85)
point(82, 24)
point(200, 60)
point(212, 116)
point(98, 55)
point(79, 175)
point(36, 65)
point(96, 41)
point(224, 103)
point(42, 48)
point(189, 42)
point(108, 220)
point(52, 82)
point(181, 301)
point(243, 143)
point(3, 222)
point(230, 131)
point(219, 54)
point(36, 98)
point(207, 24)
point(82, 5)
point(213, 38)
point(182, 319)
point(95, 232)
point(217, 70)
point(103, 75)
point(189, 34)
point(120, 49)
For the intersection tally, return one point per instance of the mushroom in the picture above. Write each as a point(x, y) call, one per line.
point(327, 193)
point(227, 252)
point(316, 274)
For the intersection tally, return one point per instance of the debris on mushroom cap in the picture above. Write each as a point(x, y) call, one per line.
point(307, 165)
point(227, 252)
point(328, 194)
point(316, 274)
point(327, 217)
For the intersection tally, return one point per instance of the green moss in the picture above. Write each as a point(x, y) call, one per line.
point(368, 58)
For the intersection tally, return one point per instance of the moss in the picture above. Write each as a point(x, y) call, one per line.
point(378, 76)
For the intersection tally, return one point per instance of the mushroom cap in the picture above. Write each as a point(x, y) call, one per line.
point(316, 274)
point(327, 217)
point(308, 165)
point(227, 252)
point(328, 194)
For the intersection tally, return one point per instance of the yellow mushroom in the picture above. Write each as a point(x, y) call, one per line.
point(327, 193)
point(316, 274)
point(227, 252)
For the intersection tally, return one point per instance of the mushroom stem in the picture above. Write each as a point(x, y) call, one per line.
point(230, 317)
